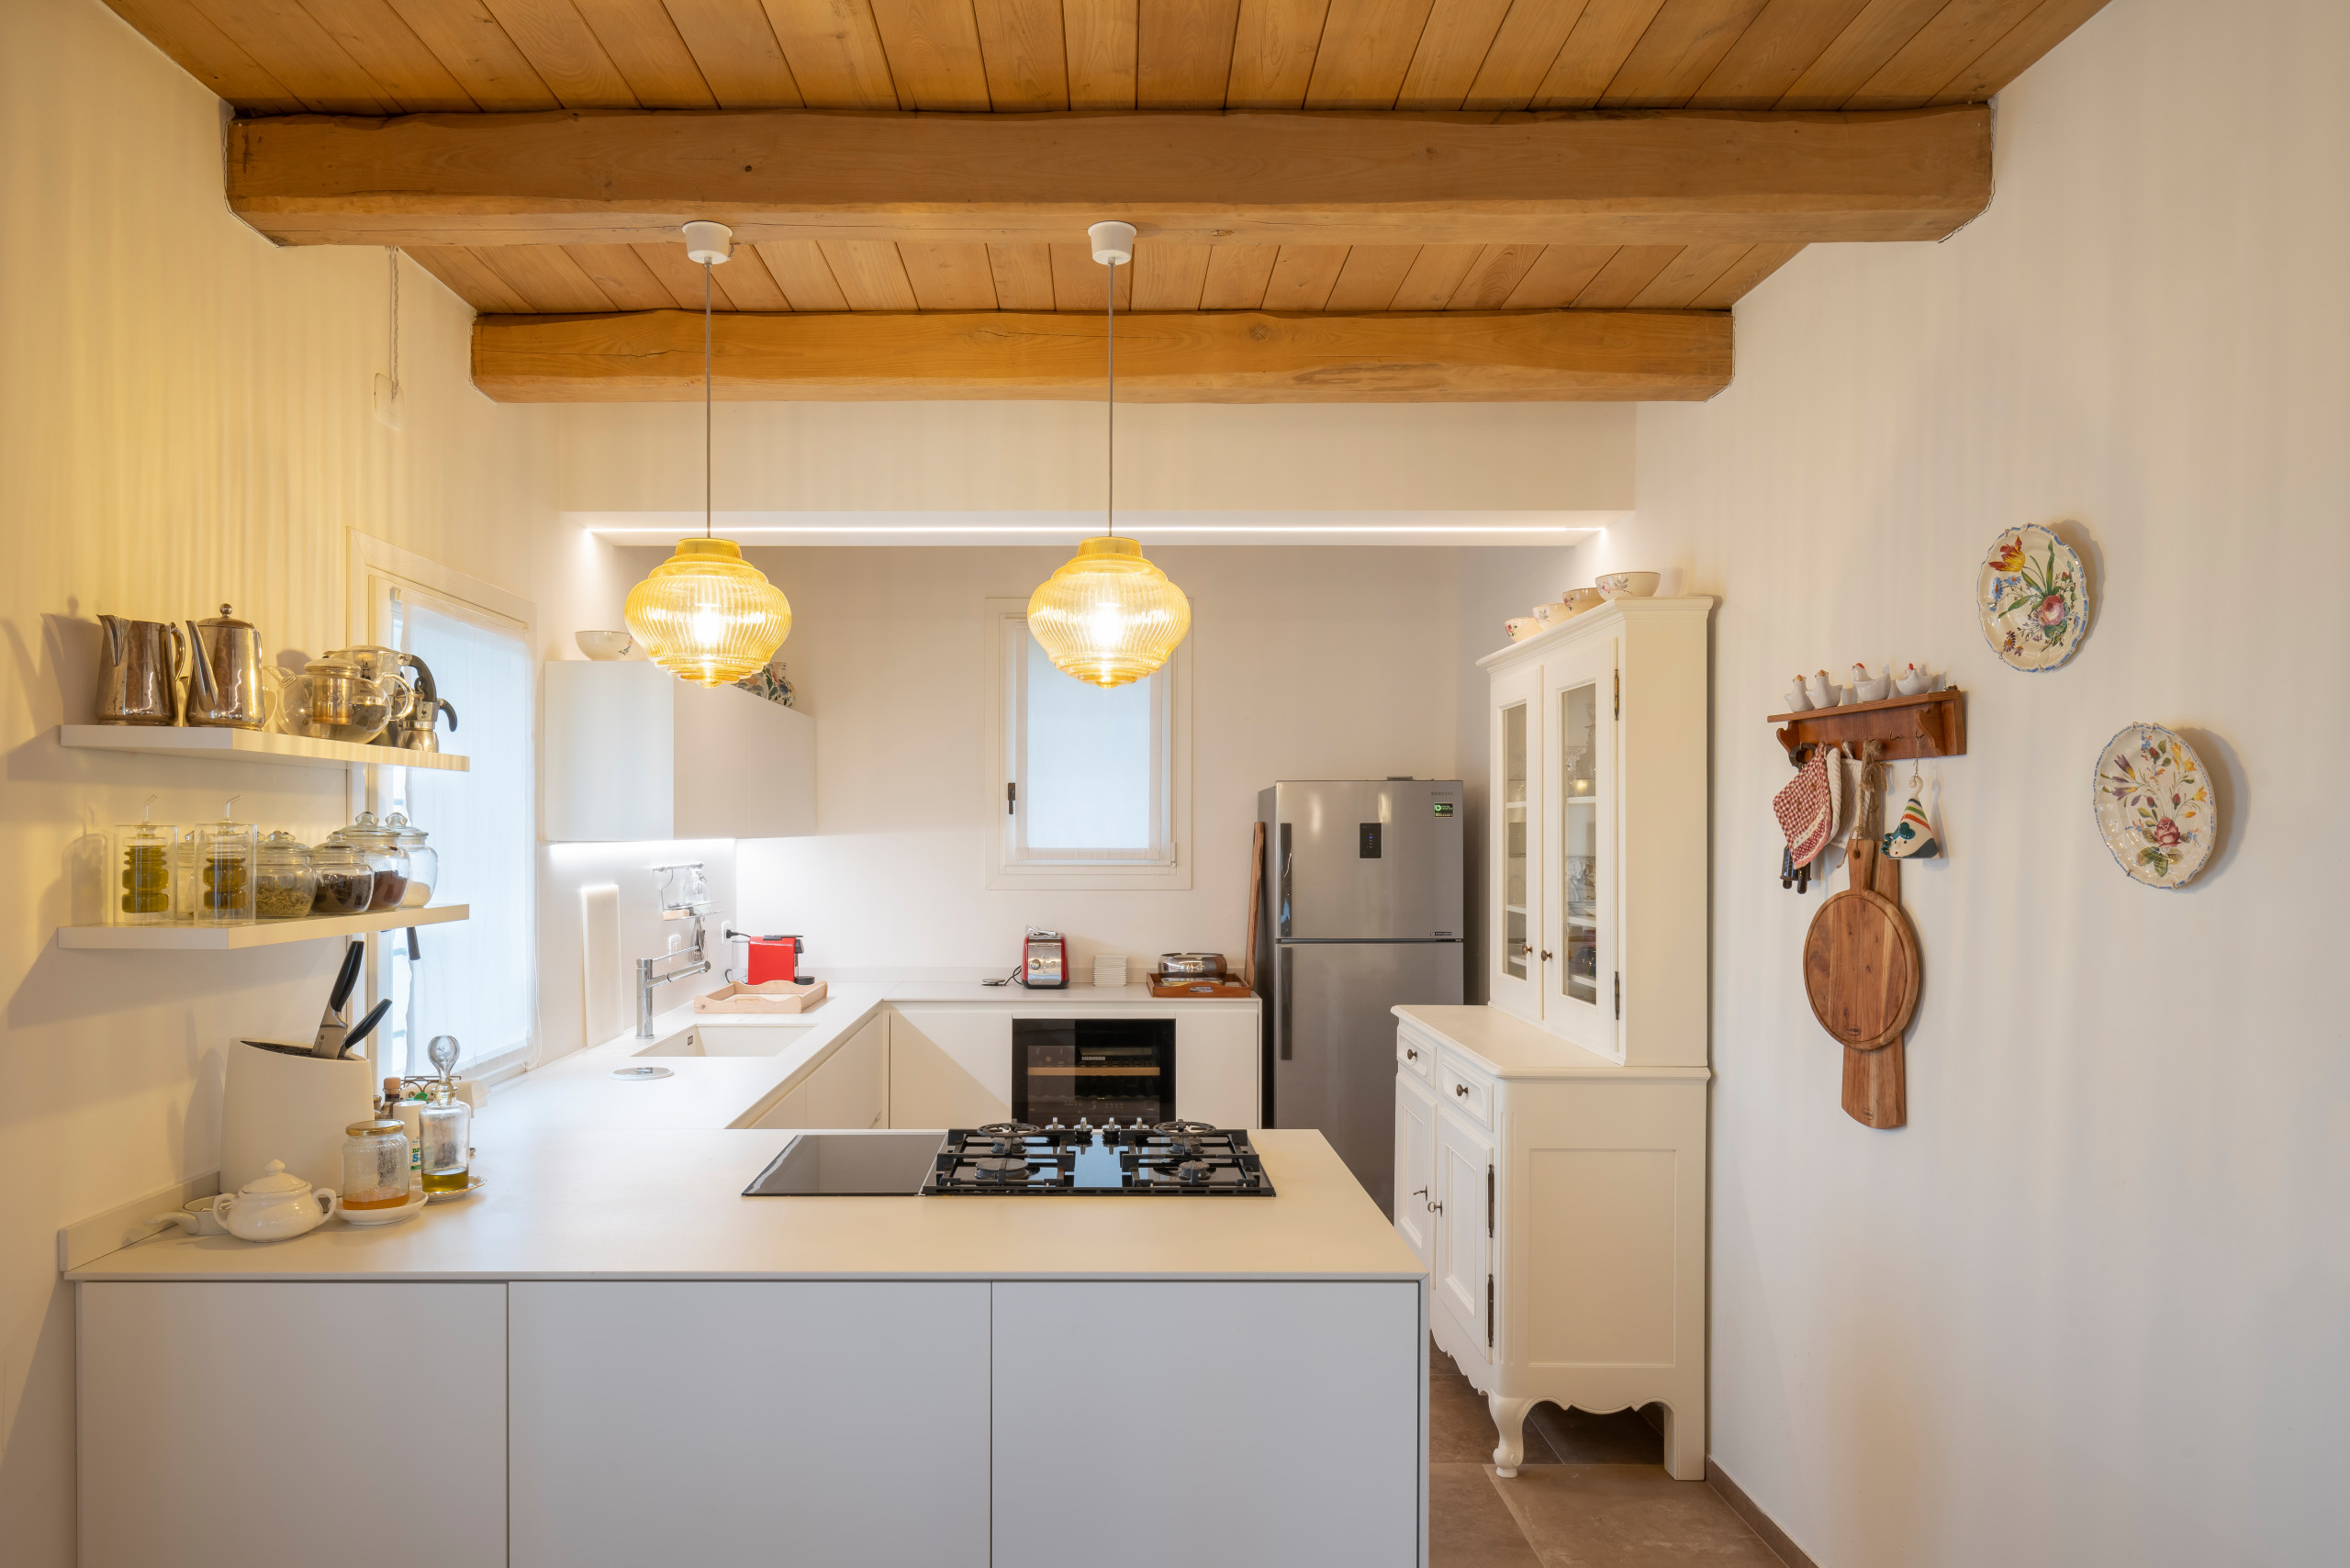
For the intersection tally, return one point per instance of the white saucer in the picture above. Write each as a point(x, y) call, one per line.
point(414, 1204)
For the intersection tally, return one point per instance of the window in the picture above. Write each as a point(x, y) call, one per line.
point(472, 979)
point(1091, 787)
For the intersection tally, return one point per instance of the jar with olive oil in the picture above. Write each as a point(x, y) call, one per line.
point(445, 1129)
point(141, 861)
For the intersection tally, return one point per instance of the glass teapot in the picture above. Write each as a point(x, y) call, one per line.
point(334, 699)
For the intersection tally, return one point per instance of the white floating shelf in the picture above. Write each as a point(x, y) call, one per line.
point(259, 933)
point(248, 746)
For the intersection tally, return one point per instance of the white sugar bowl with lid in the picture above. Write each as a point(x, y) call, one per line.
point(276, 1206)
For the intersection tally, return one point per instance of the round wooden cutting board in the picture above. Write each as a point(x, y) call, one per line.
point(1861, 969)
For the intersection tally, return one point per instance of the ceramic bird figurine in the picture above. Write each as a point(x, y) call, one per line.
point(1798, 699)
point(1817, 687)
point(1911, 681)
point(1867, 687)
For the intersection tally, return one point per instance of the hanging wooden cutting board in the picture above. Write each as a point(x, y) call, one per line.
point(1863, 973)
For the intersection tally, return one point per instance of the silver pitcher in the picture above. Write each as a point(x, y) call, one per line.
point(139, 668)
point(417, 732)
point(224, 687)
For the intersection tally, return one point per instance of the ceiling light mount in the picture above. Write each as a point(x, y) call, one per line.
point(1113, 244)
point(709, 243)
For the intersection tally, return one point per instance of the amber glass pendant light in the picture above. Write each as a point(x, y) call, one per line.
point(706, 614)
point(1109, 616)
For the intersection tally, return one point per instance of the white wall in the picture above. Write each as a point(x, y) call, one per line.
point(2089, 1306)
point(1309, 663)
point(185, 419)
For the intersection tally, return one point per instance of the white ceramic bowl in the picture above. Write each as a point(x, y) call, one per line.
point(603, 645)
point(1628, 585)
point(1521, 627)
point(1551, 614)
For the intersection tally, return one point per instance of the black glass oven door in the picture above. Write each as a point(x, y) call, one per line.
point(1068, 1069)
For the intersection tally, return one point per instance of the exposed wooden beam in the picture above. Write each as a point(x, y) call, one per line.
point(1238, 356)
point(1658, 177)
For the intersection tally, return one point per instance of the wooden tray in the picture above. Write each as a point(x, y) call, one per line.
point(769, 996)
point(1209, 987)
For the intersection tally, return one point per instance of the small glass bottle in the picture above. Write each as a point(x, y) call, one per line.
point(220, 890)
point(447, 1126)
point(142, 863)
point(375, 1160)
point(285, 883)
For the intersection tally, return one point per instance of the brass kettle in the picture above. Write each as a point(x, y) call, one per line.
point(224, 689)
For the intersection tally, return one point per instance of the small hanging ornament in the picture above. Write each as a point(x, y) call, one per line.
point(1913, 837)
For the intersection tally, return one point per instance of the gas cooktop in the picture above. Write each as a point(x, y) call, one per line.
point(1180, 1160)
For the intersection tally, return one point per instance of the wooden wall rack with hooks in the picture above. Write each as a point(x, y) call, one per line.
point(1932, 724)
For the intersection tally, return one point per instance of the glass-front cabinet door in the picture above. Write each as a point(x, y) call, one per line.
point(1579, 875)
point(1515, 920)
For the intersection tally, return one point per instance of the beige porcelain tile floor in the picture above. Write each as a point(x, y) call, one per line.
point(1592, 1494)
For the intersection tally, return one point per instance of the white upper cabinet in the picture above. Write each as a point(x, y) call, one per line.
point(1596, 900)
point(635, 753)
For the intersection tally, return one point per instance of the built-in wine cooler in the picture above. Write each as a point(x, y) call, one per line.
point(1065, 1071)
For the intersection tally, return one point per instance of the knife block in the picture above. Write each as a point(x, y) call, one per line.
point(292, 1108)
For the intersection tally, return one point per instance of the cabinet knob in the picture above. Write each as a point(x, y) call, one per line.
point(1546, 956)
point(1436, 1208)
point(1462, 1089)
point(1410, 1054)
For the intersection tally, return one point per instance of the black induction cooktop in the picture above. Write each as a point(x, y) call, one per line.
point(892, 1165)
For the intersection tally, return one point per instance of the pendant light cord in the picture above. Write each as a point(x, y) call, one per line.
point(392, 256)
point(1110, 384)
point(706, 378)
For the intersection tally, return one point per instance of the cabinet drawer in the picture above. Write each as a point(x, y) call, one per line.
point(1468, 1094)
point(1415, 1054)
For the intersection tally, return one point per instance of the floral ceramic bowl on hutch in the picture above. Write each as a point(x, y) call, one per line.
point(1629, 585)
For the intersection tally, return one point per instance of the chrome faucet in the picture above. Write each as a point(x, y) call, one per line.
point(648, 976)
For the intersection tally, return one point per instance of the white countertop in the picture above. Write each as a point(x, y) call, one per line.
point(579, 1204)
point(1510, 1046)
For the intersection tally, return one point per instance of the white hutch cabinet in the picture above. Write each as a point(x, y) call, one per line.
point(1550, 1147)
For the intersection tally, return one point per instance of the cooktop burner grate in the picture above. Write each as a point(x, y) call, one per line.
point(1179, 1159)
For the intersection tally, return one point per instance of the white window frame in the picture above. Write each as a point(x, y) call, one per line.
point(375, 570)
point(1006, 868)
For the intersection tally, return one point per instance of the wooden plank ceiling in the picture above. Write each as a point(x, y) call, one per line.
point(393, 57)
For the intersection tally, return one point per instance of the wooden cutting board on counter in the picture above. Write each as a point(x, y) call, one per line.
point(1863, 972)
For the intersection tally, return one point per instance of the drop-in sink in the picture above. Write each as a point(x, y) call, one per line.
point(735, 1040)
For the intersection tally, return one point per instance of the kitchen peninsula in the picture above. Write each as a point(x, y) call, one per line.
point(618, 1359)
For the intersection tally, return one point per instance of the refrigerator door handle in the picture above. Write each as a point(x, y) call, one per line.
point(1283, 983)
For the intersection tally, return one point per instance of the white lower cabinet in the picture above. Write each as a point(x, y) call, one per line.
point(850, 1089)
point(1284, 1423)
point(1565, 1229)
point(242, 1426)
point(812, 1423)
point(949, 1067)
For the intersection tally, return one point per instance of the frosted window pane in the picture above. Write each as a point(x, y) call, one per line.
point(474, 978)
point(1087, 771)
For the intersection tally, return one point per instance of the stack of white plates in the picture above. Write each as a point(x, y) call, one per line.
point(1109, 969)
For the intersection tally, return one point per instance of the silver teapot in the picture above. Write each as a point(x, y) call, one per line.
point(224, 683)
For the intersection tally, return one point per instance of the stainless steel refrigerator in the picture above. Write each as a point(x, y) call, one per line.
point(1363, 911)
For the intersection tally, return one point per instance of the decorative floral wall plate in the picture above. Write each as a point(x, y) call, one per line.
point(2033, 599)
point(2153, 806)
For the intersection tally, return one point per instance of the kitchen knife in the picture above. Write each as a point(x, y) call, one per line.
point(329, 1041)
point(367, 1025)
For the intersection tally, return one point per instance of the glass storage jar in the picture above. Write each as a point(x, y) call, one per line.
point(220, 886)
point(140, 863)
point(345, 882)
point(285, 883)
point(446, 1127)
point(386, 859)
point(374, 1164)
point(423, 861)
